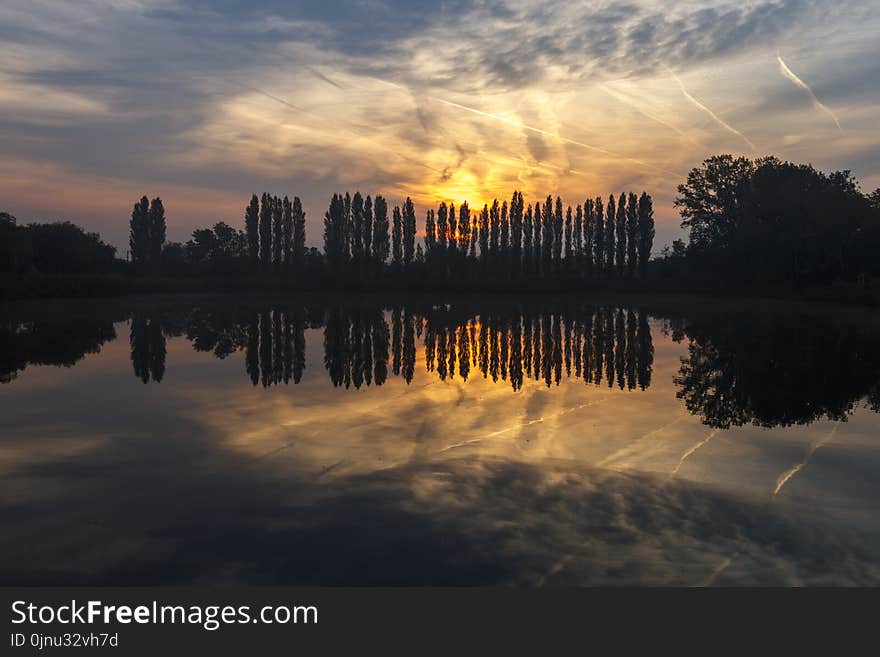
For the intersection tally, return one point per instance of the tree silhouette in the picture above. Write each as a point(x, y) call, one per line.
point(646, 231)
point(620, 229)
point(632, 233)
point(610, 252)
point(409, 232)
point(396, 239)
point(599, 236)
point(266, 213)
point(139, 232)
point(252, 222)
point(298, 241)
point(381, 244)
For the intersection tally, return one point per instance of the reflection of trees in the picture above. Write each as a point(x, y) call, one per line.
point(356, 346)
point(777, 371)
point(63, 343)
point(595, 344)
point(147, 347)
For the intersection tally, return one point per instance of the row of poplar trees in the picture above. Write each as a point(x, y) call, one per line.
point(501, 241)
point(147, 231)
point(275, 229)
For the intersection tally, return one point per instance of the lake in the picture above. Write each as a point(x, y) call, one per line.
point(525, 442)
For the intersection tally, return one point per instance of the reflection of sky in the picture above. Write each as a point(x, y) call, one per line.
point(107, 477)
point(206, 101)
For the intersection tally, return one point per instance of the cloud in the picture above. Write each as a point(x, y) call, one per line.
point(787, 72)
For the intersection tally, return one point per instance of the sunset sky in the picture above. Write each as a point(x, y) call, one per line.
point(203, 102)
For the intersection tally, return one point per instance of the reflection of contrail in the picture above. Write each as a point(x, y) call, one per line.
point(565, 140)
point(787, 72)
point(714, 116)
point(693, 449)
point(788, 474)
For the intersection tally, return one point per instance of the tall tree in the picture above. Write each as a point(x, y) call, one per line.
point(442, 229)
point(396, 239)
point(528, 232)
point(547, 220)
point(632, 233)
point(646, 231)
point(620, 228)
point(599, 236)
point(610, 212)
point(516, 230)
point(381, 243)
point(430, 234)
point(286, 233)
point(504, 234)
point(139, 232)
point(589, 235)
point(409, 232)
point(277, 232)
point(537, 251)
point(558, 223)
point(298, 242)
point(265, 231)
point(464, 227)
point(484, 236)
point(494, 231)
point(334, 235)
point(367, 233)
point(569, 229)
point(578, 236)
point(157, 229)
point(451, 242)
point(357, 228)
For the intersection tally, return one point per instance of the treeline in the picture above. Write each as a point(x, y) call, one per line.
point(502, 241)
point(766, 221)
point(59, 248)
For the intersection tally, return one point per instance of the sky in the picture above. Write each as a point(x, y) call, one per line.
point(204, 102)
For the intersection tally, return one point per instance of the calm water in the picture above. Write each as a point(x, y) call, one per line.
point(551, 442)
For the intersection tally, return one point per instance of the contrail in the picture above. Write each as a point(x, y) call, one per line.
point(788, 474)
point(523, 126)
point(714, 116)
point(622, 98)
point(787, 72)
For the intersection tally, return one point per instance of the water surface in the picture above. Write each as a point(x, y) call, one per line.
point(537, 442)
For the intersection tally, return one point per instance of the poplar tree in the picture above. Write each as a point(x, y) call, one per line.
point(139, 232)
point(547, 236)
point(569, 256)
point(298, 243)
point(409, 231)
point(453, 229)
point(277, 232)
point(589, 234)
point(381, 244)
point(578, 235)
point(558, 223)
point(494, 230)
point(430, 233)
point(464, 226)
point(367, 231)
point(528, 232)
point(396, 237)
point(537, 253)
point(251, 227)
point(610, 212)
point(599, 236)
point(484, 236)
point(516, 230)
point(620, 228)
point(357, 227)
point(265, 231)
point(646, 231)
point(286, 233)
point(632, 233)
point(156, 224)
